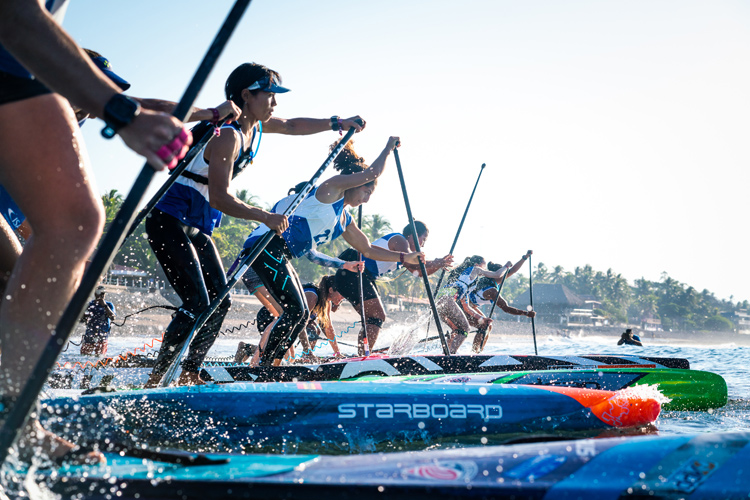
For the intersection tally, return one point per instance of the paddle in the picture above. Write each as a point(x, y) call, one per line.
point(366, 342)
point(247, 259)
point(109, 245)
point(492, 309)
point(174, 174)
point(531, 303)
point(458, 233)
point(422, 267)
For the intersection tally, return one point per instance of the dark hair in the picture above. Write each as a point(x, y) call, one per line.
point(468, 262)
point(421, 229)
point(485, 282)
point(245, 75)
point(492, 266)
point(297, 188)
point(321, 307)
point(348, 162)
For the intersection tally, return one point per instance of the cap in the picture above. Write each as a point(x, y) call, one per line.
point(100, 290)
point(103, 64)
point(268, 85)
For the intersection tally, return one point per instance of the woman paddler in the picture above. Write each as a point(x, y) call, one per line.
point(457, 285)
point(180, 226)
point(320, 218)
point(322, 299)
point(484, 291)
point(348, 281)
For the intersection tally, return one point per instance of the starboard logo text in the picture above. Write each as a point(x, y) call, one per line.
point(417, 410)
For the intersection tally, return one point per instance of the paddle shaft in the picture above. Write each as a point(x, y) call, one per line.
point(415, 238)
point(461, 225)
point(499, 290)
point(531, 302)
point(108, 247)
point(365, 341)
point(247, 260)
point(455, 239)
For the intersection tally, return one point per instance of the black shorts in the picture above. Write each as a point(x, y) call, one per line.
point(14, 88)
point(347, 283)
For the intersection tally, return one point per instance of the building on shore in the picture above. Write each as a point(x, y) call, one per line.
point(556, 304)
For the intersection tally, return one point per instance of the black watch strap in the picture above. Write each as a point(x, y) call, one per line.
point(119, 112)
point(335, 123)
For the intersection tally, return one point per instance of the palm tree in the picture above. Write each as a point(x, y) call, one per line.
point(112, 201)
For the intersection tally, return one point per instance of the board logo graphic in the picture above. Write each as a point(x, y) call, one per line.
point(461, 470)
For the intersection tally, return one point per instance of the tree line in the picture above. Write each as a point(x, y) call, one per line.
point(678, 305)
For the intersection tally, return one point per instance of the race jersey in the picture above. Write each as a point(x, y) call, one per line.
point(476, 296)
point(187, 199)
point(459, 287)
point(311, 225)
point(378, 268)
point(8, 63)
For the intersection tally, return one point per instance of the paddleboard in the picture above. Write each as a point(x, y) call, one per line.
point(692, 467)
point(341, 416)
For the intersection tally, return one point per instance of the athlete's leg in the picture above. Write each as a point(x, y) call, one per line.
point(452, 314)
point(280, 279)
point(216, 283)
point(179, 260)
point(45, 168)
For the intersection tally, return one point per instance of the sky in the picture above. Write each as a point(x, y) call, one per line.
point(615, 134)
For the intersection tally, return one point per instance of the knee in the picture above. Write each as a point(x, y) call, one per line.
point(76, 226)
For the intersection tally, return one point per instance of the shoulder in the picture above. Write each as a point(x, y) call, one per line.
point(397, 242)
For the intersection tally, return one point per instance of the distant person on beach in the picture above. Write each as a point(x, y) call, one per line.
point(484, 291)
point(45, 169)
point(628, 337)
point(348, 281)
point(98, 318)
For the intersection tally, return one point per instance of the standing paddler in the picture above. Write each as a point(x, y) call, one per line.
point(180, 226)
point(456, 286)
point(320, 218)
point(45, 168)
point(347, 282)
point(484, 291)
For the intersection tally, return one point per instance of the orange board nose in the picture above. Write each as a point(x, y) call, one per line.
point(627, 411)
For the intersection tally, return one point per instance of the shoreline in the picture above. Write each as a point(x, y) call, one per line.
point(241, 318)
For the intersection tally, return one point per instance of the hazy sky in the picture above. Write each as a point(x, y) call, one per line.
point(615, 133)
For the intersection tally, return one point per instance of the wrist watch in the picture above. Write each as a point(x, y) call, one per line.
point(119, 112)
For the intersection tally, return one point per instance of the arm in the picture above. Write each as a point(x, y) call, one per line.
point(359, 241)
point(221, 152)
point(432, 266)
point(307, 126)
point(478, 271)
point(474, 311)
point(226, 109)
point(324, 260)
point(29, 33)
point(330, 335)
point(517, 266)
point(502, 304)
point(333, 189)
point(109, 310)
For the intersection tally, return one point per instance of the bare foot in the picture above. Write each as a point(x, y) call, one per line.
point(190, 378)
point(153, 381)
point(39, 442)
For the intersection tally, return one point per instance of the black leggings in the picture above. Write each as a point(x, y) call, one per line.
point(194, 269)
point(275, 270)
